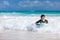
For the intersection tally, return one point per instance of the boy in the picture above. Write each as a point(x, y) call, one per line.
point(42, 20)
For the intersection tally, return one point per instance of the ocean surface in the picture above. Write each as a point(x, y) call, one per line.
point(30, 13)
point(26, 21)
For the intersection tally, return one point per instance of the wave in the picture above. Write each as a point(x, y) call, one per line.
point(22, 22)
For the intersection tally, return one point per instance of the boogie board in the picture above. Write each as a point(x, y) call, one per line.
point(40, 24)
point(34, 27)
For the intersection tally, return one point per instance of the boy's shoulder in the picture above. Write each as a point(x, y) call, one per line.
point(46, 19)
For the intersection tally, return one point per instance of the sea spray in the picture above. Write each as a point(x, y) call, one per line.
point(21, 22)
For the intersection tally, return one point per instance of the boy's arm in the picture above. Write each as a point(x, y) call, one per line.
point(37, 21)
point(46, 21)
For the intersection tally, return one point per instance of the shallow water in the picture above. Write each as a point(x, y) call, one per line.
point(28, 35)
point(21, 22)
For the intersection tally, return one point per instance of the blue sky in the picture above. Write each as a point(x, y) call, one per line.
point(29, 5)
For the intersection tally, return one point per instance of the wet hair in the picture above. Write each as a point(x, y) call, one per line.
point(42, 16)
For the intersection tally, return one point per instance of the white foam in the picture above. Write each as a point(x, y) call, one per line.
point(21, 22)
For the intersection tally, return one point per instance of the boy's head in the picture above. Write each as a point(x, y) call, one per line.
point(42, 17)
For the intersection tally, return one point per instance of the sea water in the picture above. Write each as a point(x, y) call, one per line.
point(21, 20)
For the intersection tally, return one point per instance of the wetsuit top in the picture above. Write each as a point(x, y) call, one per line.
point(42, 22)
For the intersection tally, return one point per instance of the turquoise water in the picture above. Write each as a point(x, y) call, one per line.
point(29, 13)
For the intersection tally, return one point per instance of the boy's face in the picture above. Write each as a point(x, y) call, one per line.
point(43, 17)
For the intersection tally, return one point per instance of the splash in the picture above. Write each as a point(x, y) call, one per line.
point(22, 22)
